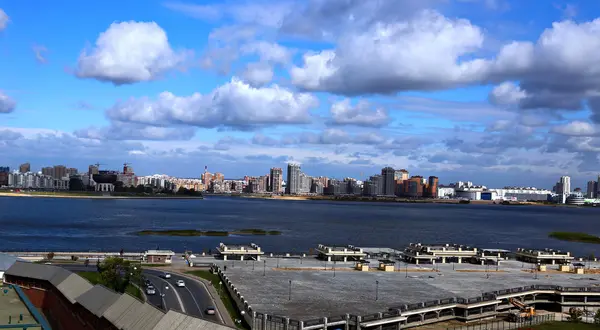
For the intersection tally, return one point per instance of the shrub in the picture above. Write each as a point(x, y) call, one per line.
point(575, 315)
point(50, 256)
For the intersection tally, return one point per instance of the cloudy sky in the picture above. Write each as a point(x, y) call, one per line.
point(497, 92)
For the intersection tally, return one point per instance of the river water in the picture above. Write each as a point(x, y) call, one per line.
point(56, 224)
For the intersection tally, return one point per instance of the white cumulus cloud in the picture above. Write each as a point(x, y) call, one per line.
point(3, 19)
point(360, 114)
point(258, 74)
point(130, 52)
point(421, 54)
point(7, 104)
point(235, 104)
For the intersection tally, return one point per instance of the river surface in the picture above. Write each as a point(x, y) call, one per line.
point(56, 224)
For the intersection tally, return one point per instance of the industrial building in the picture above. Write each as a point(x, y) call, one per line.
point(241, 252)
point(421, 253)
point(340, 253)
point(544, 257)
point(518, 194)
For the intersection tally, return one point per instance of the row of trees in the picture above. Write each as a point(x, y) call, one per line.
point(76, 184)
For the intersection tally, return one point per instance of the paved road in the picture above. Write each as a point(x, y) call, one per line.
point(193, 299)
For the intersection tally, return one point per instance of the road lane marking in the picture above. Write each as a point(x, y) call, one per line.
point(162, 300)
point(174, 291)
point(208, 294)
point(195, 302)
point(176, 294)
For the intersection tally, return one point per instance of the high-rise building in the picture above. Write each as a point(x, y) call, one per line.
point(24, 168)
point(432, 186)
point(275, 180)
point(218, 177)
point(4, 172)
point(591, 189)
point(400, 175)
point(93, 169)
point(293, 179)
point(389, 184)
point(60, 171)
point(305, 183)
point(413, 187)
point(263, 183)
point(563, 189)
point(206, 178)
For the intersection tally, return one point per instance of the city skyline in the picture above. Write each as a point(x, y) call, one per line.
point(282, 175)
point(495, 92)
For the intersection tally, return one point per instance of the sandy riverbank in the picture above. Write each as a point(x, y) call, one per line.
point(59, 195)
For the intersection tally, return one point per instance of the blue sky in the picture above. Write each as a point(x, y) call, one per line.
point(497, 92)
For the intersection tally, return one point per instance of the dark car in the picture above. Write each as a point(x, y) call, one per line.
point(210, 310)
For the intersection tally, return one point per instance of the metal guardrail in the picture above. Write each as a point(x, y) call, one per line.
point(32, 309)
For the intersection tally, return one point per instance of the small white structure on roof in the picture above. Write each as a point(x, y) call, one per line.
point(491, 256)
point(417, 253)
point(252, 251)
point(340, 253)
point(545, 256)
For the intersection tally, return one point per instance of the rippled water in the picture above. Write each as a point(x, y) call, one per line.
point(88, 224)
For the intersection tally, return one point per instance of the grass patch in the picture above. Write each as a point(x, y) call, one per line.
point(562, 326)
point(575, 237)
point(223, 294)
point(194, 232)
point(94, 278)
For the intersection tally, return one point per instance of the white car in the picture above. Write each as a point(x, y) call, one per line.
point(180, 283)
point(167, 275)
point(150, 291)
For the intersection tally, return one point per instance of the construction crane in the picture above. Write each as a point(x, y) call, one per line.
point(98, 165)
point(525, 312)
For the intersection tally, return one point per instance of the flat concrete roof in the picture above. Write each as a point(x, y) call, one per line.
point(11, 305)
point(315, 292)
point(542, 252)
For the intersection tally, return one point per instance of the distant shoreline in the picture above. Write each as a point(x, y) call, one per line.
point(374, 199)
point(74, 196)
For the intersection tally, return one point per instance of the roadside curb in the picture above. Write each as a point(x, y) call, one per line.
point(223, 316)
point(144, 297)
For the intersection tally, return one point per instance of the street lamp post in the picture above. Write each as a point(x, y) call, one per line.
point(290, 291)
point(334, 269)
point(376, 290)
point(406, 269)
point(264, 268)
point(162, 297)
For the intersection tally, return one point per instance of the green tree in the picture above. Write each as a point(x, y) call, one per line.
point(75, 184)
point(117, 273)
point(119, 186)
point(50, 256)
point(140, 189)
point(597, 317)
point(575, 315)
